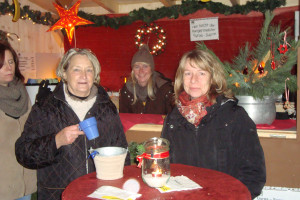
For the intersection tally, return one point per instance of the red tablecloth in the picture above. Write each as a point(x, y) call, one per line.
point(128, 120)
point(278, 124)
point(216, 185)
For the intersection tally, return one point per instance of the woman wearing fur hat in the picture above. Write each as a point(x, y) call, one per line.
point(147, 91)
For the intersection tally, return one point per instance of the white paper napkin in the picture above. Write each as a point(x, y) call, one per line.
point(179, 183)
point(110, 192)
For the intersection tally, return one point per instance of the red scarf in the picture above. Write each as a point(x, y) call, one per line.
point(193, 110)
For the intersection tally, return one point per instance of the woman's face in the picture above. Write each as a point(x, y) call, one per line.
point(142, 73)
point(7, 72)
point(196, 82)
point(80, 75)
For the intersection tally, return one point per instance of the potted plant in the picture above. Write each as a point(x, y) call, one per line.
point(135, 149)
point(257, 76)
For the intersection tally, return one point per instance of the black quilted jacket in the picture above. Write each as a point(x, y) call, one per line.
point(226, 140)
point(56, 168)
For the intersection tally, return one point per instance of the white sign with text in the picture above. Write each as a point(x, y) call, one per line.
point(204, 29)
point(279, 193)
point(27, 65)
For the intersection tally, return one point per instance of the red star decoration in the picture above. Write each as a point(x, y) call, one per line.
point(69, 19)
point(282, 49)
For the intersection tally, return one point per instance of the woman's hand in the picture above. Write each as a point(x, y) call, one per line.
point(67, 135)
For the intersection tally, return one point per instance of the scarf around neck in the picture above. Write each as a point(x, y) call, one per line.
point(14, 99)
point(193, 110)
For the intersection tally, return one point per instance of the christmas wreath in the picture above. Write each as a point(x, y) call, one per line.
point(148, 29)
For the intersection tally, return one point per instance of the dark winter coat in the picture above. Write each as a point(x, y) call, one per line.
point(56, 168)
point(226, 140)
point(162, 104)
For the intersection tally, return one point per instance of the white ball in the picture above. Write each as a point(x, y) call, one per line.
point(131, 185)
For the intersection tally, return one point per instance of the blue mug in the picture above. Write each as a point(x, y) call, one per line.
point(89, 127)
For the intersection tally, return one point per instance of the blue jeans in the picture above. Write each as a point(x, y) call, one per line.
point(27, 197)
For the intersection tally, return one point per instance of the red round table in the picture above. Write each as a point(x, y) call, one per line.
point(215, 185)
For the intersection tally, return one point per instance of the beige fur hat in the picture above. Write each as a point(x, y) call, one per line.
point(143, 55)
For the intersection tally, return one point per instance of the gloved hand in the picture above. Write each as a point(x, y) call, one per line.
point(43, 92)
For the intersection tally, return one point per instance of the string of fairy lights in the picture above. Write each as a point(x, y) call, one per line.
point(148, 16)
point(173, 12)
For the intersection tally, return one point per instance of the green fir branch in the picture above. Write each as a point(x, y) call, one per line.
point(187, 7)
point(241, 60)
point(269, 81)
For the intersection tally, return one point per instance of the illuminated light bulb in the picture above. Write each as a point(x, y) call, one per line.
point(11, 34)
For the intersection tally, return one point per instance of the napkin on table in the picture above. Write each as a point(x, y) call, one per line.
point(179, 183)
point(110, 192)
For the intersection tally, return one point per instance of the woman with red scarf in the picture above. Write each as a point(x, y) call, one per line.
point(208, 129)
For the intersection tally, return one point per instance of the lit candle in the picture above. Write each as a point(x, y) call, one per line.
point(157, 173)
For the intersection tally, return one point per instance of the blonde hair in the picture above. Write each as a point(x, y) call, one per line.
point(150, 87)
point(65, 61)
point(204, 61)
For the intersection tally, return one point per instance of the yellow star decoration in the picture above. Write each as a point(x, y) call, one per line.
point(69, 19)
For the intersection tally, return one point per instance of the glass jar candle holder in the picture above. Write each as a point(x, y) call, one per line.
point(155, 162)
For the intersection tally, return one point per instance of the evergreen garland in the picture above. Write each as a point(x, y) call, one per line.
point(251, 72)
point(143, 14)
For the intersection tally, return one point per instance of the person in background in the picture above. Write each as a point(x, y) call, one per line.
point(147, 91)
point(208, 129)
point(52, 142)
point(16, 181)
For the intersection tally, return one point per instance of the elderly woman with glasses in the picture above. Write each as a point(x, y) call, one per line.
point(52, 142)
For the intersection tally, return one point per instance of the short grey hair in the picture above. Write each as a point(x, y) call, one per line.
point(65, 61)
